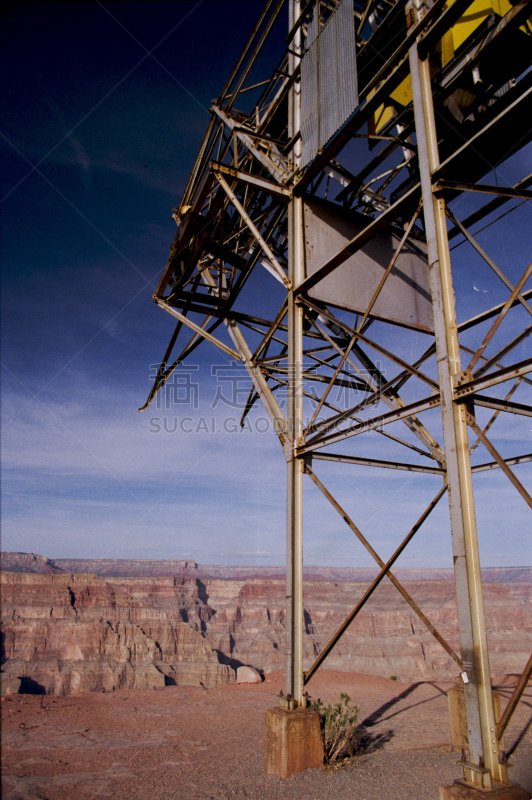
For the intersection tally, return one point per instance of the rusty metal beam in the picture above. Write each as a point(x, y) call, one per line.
point(492, 312)
point(253, 228)
point(514, 699)
point(375, 422)
point(375, 462)
point(197, 329)
point(501, 405)
point(473, 641)
point(490, 262)
point(490, 362)
point(494, 416)
point(509, 461)
point(499, 459)
point(251, 180)
point(493, 205)
point(502, 375)
point(247, 140)
point(483, 188)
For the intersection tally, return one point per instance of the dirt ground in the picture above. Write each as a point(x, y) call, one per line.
point(189, 743)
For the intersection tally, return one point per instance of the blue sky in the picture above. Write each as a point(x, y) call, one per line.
point(105, 107)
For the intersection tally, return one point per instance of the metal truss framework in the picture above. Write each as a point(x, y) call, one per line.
point(245, 209)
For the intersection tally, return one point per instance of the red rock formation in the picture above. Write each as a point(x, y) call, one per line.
point(386, 638)
point(29, 562)
point(64, 633)
point(76, 632)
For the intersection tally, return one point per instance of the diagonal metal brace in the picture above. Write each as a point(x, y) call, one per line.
point(384, 567)
point(499, 459)
point(514, 699)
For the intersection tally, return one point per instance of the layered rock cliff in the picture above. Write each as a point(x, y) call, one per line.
point(67, 633)
point(74, 633)
point(386, 638)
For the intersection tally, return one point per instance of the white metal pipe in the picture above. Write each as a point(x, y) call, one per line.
point(294, 521)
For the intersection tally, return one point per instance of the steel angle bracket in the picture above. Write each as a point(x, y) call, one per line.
point(251, 180)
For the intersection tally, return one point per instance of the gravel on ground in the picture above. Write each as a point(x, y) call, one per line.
point(191, 743)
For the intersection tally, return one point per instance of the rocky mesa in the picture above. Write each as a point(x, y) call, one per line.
point(178, 568)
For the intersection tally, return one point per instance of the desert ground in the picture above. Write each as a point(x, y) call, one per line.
point(191, 743)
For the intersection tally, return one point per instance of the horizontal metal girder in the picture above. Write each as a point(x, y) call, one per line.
point(374, 462)
point(371, 424)
point(464, 186)
point(506, 374)
point(510, 462)
point(493, 205)
point(495, 402)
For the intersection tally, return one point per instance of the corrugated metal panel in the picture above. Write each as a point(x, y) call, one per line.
point(328, 79)
point(312, 30)
point(309, 103)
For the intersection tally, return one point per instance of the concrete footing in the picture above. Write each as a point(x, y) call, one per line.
point(460, 790)
point(293, 741)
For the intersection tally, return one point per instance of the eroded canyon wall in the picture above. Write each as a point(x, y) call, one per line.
point(75, 633)
point(387, 638)
point(66, 633)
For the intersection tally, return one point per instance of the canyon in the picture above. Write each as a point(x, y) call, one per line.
point(65, 632)
point(73, 633)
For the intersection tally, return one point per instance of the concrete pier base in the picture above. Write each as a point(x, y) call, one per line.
point(293, 741)
point(460, 790)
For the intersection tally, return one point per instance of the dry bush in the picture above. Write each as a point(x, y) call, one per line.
point(341, 735)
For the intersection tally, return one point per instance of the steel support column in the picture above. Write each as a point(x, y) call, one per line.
point(295, 468)
point(483, 765)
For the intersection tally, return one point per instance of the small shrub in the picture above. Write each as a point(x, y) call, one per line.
point(393, 677)
point(338, 724)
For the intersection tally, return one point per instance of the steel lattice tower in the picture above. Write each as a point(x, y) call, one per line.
point(438, 93)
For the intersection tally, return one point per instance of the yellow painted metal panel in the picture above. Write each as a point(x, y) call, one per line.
point(476, 14)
